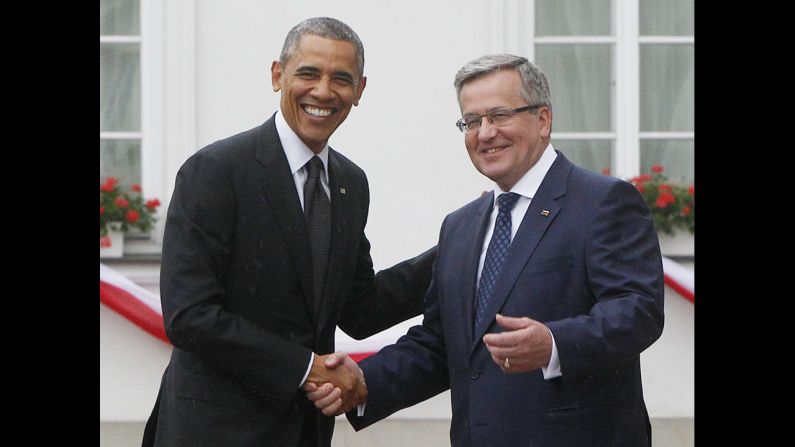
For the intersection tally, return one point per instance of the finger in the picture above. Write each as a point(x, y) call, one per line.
point(327, 399)
point(321, 392)
point(513, 323)
point(503, 339)
point(500, 353)
point(310, 387)
point(335, 359)
point(331, 410)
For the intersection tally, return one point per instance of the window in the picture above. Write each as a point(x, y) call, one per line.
point(622, 79)
point(120, 135)
point(131, 102)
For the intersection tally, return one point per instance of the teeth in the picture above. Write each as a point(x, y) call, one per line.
point(317, 111)
point(492, 150)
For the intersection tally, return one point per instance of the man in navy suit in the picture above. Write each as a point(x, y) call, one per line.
point(251, 297)
point(544, 292)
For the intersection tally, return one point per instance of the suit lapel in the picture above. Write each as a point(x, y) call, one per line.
point(543, 210)
point(474, 235)
point(279, 187)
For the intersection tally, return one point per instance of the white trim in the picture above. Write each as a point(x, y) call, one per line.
point(575, 39)
point(153, 105)
point(119, 39)
point(512, 27)
point(180, 88)
point(627, 92)
point(583, 136)
point(667, 135)
point(667, 39)
point(120, 135)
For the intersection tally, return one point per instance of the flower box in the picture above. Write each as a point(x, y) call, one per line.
point(122, 210)
point(112, 245)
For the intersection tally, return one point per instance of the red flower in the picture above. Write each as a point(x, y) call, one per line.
point(606, 171)
point(664, 188)
point(657, 168)
point(109, 184)
point(136, 187)
point(640, 187)
point(104, 242)
point(132, 216)
point(152, 204)
point(686, 211)
point(101, 210)
point(645, 177)
point(121, 202)
point(691, 190)
point(664, 199)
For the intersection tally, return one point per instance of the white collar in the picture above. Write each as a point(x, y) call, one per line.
point(297, 152)
point(528, 185)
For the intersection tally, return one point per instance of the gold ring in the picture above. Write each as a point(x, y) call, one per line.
point(507, 364)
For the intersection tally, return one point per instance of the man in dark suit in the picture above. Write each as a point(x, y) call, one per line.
point(543, 295)
point(264, 255)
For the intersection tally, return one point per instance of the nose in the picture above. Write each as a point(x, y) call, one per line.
point(486, 131)
point(322, 89)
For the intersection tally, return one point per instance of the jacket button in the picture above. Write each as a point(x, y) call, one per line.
point(474, 374)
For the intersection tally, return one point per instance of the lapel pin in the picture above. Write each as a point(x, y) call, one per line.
point(545, 213)
point(342, 190)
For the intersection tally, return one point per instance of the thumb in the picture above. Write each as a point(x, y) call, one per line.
point(513, 323)
point(334, 360)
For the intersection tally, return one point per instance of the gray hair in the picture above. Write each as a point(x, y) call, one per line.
point(327, 28)
point(535, 87)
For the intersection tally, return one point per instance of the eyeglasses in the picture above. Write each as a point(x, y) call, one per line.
point(496, 117)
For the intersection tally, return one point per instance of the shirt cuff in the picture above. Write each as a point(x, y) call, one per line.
point(553, 369)
point(308, 368)
point(360, 409)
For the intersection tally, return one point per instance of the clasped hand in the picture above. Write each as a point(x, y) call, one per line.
point(335, 384)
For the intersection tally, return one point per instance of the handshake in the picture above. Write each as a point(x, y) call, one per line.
point(335, 384)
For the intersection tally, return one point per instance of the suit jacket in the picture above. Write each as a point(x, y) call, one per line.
point(590, 270)
point(236, 291)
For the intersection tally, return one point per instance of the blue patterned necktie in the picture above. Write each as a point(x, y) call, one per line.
point(495, 254)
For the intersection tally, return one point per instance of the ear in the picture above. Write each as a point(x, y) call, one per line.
point(276, 76)
point(545, 122)
point(360, 90)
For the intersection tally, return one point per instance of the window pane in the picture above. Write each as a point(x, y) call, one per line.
point(595, 155)
point(120, 159)
point(581, 84)
point(119, 88)
point(573, 18)
point(676, 156)
point(668, 18)
point(119, 17)
point(667, 87)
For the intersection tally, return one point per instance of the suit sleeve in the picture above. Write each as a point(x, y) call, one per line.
point(408, 372)
point(624, 269)
point(195, 260)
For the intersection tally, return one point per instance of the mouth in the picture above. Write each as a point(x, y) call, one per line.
point(319, 112)
point(492, 150)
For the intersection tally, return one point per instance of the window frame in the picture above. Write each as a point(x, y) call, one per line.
point(513, 31)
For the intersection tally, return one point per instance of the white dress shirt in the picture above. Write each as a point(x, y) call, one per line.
point(526, 187)
point(298, 155)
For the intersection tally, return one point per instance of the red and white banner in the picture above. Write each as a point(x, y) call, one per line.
point(142, 307)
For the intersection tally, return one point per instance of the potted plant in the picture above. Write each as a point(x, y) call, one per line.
point(119, 211)
point(673, 207)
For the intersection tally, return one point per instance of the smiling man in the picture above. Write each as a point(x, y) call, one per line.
point(264, 255)
point(543, 295)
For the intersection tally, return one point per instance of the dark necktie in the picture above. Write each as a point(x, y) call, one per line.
point(317, 210)
point(495, 253)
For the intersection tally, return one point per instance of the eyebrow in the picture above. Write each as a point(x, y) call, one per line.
point(314, 70)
